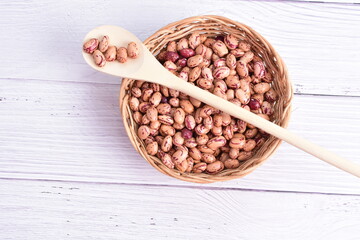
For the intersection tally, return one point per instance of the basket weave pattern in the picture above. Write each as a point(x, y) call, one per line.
point(213, 26)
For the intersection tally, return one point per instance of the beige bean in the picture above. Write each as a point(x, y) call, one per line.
point(104, 44)
point(137, 117)
point(179, 115)
point(206, 111)
point(190, 143)
point(259, 97)
point(248, 57)
point(217, 131)
point(220, 48)
point(195, 61)
point(166, 160)
point(178, 126)
point(154, 132)
point(196, 103)
point(221, 62)
point(187, 106)
point(208, 54)
point(144, 106)
point(178, 140)
point(234, 125)
point(149, 140)
point(99, 58)
point(237, 142)
point(231, 61)
point(231, 41)
point(195, 154)
point(237, 52)
point(110, 54)
point(145, 120)
point(182, 166)
point(271, 96)
point(171, 47)
point(241, 126)
point(208, 158)
point(190, 122)
point(266, 108)
point(175, 102)
point(208, 122)
point(228, 132)
point(155, 125)
point(224, 156)
point(199, 167)
point(167, 130)
point(91, 45)
point(165, 91)
point(143, 132)
point(242, 96)
point(167, 120)
point(218, 83)
point(201, 50)
point(241, 69)
point(134, 104)
point(169, 65)
point(251, 133)
point(146, 94)
point(259, 69)
point(194, 74)
point(221, 72)
point(194, 40)
point(234, 153)
point(202, 139)
point(244, 155)
point(152, 148)
point(226, 119)
point(182, 44)
point(214, 167)
point(155, 99)
point(152, 114)
point(233, 82)
point(207, 73)
point(209, 42)
point(201, 129)
point(205, 149)
point(136, 92)
point(204, 83)
point(179, 156)
point(217, 120)
point(133, 50)
point(244, 45)
point(164, 108)
point(197, 117)
point(231, 163)
point(121, 54)
point(190, 162)
point(262, 87)
point(216, 142)
point(249, 145)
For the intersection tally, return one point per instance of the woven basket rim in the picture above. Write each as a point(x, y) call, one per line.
point(152, 42)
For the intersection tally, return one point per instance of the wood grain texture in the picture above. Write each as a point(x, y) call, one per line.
point(73, 131)
point(61, 210)
point(320, 42)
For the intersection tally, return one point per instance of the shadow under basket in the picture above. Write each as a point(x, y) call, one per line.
point(213, 26)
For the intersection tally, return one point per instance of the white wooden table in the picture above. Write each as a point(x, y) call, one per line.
point(68, 171)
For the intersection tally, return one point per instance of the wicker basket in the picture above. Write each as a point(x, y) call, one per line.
point(212, 26)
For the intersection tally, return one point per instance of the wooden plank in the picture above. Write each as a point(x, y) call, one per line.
point(318, 41)
point(73, 131)
point(61, 210)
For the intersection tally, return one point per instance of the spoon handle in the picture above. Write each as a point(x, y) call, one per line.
point(269, 127)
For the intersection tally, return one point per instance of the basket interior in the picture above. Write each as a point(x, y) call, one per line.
point(213, 26)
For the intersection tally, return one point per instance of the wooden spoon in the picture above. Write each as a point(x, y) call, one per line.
point(146, 67)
